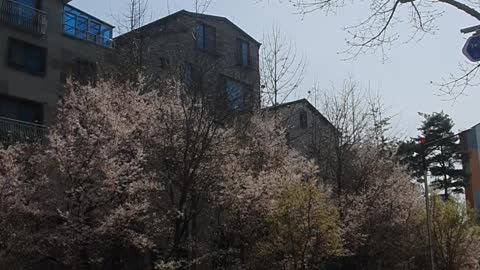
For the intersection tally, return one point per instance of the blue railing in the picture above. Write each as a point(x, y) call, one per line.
point(81, 25)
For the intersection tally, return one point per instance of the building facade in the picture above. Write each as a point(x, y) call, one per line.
point(470, 147)
point(42, 42)
point(307, 130)
point(209, 53)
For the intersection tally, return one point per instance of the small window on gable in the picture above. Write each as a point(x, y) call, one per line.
point(243, 53)
point(205, 37)
point(303, 119)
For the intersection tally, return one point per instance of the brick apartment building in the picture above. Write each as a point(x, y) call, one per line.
point(209, 52)
point(41, 43)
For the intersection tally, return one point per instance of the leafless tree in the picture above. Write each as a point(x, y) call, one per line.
point(378, 31)
point(133, 16)
point(361, 126)
point(201, 6)
point(282, 67)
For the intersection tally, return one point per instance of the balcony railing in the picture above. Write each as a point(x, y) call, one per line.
point(23, 16)
point(82, 34)
point(13, 131)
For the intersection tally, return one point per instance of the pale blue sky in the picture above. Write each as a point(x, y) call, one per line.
point(403, 80)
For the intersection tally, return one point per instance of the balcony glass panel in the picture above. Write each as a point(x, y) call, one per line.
point(83, 26)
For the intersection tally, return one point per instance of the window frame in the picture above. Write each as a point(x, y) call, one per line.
point(244, 95)
point(37, 106)
point(240, 56)
point(24, 67)
point(206, 29)
point(303, 119)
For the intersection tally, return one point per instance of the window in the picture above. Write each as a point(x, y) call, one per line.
point(21, 110)
point(235, 92)
point(243, 53)
point(303, 119)
point(27, 57)
point(205, 37)
point(79, 24)
point(29, 3)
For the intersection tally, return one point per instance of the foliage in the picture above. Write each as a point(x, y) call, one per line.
point(303, 230)
point(442, 154)
point(83, 197)
point(456, 236)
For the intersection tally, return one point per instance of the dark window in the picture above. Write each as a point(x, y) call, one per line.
point(205, 37)
point(303, 119)
point(85, 72)
point(235, 92)
point(243, 53)
point(27, 57)
point(21, 110)
point(200, 36)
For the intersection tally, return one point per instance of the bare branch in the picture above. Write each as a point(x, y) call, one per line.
point(282, 68)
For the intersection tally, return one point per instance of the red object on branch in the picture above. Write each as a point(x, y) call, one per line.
point(422, 141)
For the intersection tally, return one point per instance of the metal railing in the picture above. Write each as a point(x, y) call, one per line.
point(13, 131)
point(23, 16)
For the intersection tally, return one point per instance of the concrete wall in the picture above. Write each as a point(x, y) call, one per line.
point(62, 51)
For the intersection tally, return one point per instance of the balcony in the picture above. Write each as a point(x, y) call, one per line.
point(23, 16)
point(14, 131)
point(81, 25)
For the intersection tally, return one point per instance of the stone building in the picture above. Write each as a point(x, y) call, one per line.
point(307, 130)
point(209, 53)
point(41, 43)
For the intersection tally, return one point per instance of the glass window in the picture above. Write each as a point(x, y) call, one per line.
point(69, 23)
point(243, 53)
point(205, 37)
point(29, 3)
point(200, 36)
point(235, 91)
point(22, 110)
point(83, 26)
point(303, 119)
point(27, 57)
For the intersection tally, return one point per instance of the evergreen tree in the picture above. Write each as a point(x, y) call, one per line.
point(442, 154)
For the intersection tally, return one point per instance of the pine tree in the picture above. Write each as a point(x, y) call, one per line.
point(442, 154)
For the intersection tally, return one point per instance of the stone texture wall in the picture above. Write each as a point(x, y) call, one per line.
point(168, 45)
point(316, 138)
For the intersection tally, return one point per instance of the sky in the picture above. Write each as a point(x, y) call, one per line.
point(403, 80)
